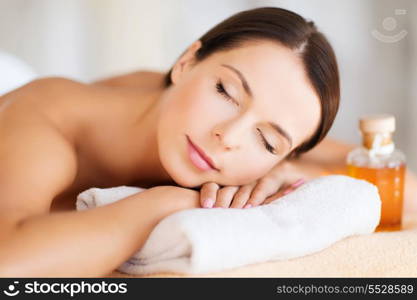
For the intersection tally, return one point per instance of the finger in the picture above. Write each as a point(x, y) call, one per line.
point(293, 186)
point(286, 190)
point(208, 194)
point(272, 198)
point(225, 196)
point(262, 190)
point(275, 196)
point(298, 183)
point(242, 195)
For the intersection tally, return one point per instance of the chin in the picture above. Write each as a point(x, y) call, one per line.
point(178, 171)
point(182, 179)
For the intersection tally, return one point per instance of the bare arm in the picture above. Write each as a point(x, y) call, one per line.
point(88, 243)
point(37, 163)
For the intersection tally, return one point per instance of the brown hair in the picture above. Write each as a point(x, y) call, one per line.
point(293, 31)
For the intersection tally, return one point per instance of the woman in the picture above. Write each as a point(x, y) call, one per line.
point(259, 88)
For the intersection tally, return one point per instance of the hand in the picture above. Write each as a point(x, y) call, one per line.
point(281, 180)
point(173, 198)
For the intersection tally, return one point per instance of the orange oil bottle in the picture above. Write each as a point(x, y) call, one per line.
point(379, 162)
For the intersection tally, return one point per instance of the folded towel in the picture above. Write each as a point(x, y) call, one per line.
point(314, 216)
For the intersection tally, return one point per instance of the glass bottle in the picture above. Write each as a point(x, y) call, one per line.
point(379, 162)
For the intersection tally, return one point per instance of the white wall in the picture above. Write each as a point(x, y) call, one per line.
point(88, 39)
point(411, 113)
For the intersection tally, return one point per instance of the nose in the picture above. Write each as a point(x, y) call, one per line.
point(227, 145)
point(229, 137)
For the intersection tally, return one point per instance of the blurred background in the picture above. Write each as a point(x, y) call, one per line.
point(375, 43)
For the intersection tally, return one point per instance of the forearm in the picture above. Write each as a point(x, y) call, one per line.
point(81, 243)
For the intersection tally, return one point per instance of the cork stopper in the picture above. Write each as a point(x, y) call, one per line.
point(377, 130)
point(377, 123)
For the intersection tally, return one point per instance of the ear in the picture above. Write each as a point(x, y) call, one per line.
point(185, 62)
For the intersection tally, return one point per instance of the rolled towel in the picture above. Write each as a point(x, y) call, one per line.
point(195, 241)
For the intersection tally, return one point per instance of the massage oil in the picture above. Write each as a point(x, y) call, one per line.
point(381, 163)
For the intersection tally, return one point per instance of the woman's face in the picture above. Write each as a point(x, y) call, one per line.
point(231, 116)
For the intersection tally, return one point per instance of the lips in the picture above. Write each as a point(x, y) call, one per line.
point(199, 158)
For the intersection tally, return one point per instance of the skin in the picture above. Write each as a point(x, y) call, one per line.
point(227, 129)
point(148, 124)
point(61, 137)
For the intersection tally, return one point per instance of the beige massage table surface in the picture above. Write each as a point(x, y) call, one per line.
point(381, 254)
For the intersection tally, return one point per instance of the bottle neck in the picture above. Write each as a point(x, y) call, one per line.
point(378, 142)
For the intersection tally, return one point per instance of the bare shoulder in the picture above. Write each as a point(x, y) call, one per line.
point(56, 100)
point(329, 151)
point(46, 85)
point(40, 94)
point(37, 159)
point(137, 79)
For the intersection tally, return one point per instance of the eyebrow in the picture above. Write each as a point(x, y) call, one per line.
point(248, 91)
point(242, 79)
point(282, 132)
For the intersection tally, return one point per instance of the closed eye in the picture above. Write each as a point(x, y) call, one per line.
point(267, 145)
point(220, 89)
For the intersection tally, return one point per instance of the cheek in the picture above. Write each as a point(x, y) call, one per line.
point(193, 107)
point(247, 167)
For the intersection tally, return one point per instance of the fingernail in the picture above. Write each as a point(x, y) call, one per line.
point(208, 203)
point(248, 205)
point(298, 183)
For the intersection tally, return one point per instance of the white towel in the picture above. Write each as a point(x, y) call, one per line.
point(195, 241)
